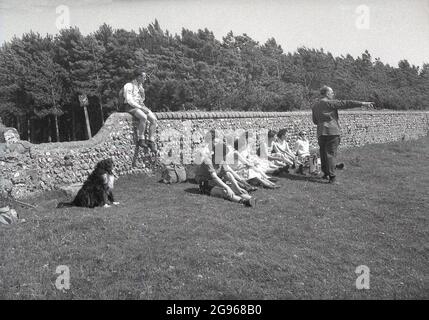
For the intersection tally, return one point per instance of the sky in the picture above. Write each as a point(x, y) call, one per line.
point(391, 30)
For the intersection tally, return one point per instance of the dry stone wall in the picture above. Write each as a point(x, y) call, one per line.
point(26, 168)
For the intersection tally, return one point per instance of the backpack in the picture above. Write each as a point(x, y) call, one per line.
point(9, 216)
point(173, 173)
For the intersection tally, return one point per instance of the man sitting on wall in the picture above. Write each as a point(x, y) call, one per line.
point(134, 96)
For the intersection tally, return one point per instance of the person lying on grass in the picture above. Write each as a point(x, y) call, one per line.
point(212, 174)
point(247, 170)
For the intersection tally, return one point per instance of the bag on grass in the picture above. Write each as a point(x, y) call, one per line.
point(314, 165)
point(9, 216)
point(174, 173)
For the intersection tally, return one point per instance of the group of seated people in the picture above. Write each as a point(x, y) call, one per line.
point(232, 171)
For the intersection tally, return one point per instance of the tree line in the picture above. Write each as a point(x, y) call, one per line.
point(41, 77)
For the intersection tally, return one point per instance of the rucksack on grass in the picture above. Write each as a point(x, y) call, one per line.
point(173, 173)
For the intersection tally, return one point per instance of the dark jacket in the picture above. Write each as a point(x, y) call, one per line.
point(325, 115)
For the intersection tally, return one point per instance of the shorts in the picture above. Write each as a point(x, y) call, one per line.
point(132, 110)
point(128, 108)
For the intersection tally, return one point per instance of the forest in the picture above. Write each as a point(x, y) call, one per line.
point(42, 77)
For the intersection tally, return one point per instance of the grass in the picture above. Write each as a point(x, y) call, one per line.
point(304, 240)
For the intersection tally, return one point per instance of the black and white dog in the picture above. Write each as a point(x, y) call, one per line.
point(97, 191)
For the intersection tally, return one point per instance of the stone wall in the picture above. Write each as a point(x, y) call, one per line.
point(32, 168)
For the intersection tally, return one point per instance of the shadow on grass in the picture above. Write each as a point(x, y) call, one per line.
point(302, 178)
point(193, 190)
point(192, 181)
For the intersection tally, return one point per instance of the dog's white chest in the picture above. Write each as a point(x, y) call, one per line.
point(109, 180)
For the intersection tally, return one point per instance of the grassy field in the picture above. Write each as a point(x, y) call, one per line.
point(304, 240)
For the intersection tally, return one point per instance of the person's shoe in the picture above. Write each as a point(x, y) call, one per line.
point(340, 166)
point(325, 177)
point(250, 188)
point(276, 172)
point(285, 169)
point(142, 143)
point(272, 187)
point(152, 146)
point(333, 180)
point(272, 179)
point(249, 202)
point(300, 170)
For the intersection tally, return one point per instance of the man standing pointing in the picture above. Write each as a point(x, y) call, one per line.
point(325, 116)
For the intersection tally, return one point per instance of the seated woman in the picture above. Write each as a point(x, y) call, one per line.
point(272, 162)
point(237, 182)
point(306, 159)
point(281, 147)
point(302, 145)
point(211, 177)
point(248, 167)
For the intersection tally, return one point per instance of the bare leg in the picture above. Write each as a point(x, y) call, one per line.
point(153, 123)
point(221, 193)
point(288, 161)
point(141, 127)
point(260, 172)
point(236, 188)
point(265, 182)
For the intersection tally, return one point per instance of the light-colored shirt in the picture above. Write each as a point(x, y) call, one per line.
point(282, 146)
point(302, 148)
point(134, 94)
